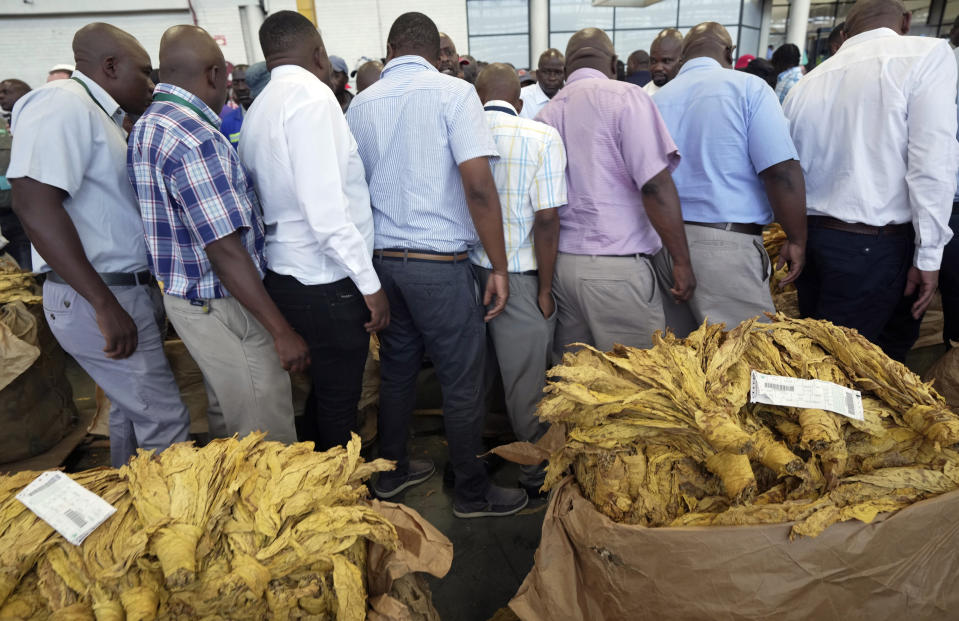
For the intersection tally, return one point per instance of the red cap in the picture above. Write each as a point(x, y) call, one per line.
point(744, 61)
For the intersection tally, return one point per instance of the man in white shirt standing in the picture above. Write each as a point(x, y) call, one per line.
point(875, 127)
point(71, 192)
point(550, 76)
point(665, 56)
point(316, 205)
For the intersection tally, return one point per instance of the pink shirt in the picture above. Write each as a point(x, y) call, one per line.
point(615, 143)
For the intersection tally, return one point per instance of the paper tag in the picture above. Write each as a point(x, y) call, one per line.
point(71, 509)
point(803, 393)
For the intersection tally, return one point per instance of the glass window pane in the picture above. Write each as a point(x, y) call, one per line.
point(843, 10)
point(513, 49)
point(573, 15)
point(628, 41)
point(692, 12)
point(777, 23)
point(749, 43)
point(952, 11)
point(752, 13)
point(559, 40)
point(733, 30)
point(660, 15)
point(821, 16)
point(498, 16)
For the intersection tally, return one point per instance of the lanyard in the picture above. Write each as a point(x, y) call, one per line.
point(99, 105)
point(501, 109)
point(183, 102)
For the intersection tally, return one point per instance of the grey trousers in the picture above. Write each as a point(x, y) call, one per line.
point(240, 366)
point(521, 341)
point(732, 280)
point(602, 301)
point(145, 406)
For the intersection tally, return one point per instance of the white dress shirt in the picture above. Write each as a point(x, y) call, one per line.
point(308, 174)
point(875, 127)
point(651, 88)
point(64, 139)
point(533, 99)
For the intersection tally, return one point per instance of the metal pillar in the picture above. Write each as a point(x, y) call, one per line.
point(798, 21)
point(538, 30)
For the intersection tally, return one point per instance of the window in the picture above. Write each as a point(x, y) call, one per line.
point(692, 12)
point(499, 31)
point(653, 16)
point(572, 15)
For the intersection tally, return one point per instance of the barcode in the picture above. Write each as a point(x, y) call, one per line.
point(783, 387)
point(75, 517)
point(51, 481)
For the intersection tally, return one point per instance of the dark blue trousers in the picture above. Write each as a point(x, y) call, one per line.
point(858, 281)
point(949, 281)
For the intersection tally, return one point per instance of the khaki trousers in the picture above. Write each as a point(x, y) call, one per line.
point(732, 280)
point(602, 301)
point(235, 353)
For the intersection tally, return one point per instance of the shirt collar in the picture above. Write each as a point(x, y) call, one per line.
point(102, 97)
point(586, 73)
point(283, 70)
point(700, 62)
point(170, 89)
point(499, 103)
point(401, 61)
point(869, 35)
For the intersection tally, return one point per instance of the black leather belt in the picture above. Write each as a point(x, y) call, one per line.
point(828, 222)
point(735, 227)
point(407, 254)
point(113, 279)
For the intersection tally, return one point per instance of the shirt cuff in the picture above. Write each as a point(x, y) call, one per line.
point(367, 282)
point(928, 259)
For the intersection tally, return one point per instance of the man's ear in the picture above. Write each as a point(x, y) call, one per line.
point(906, 23)
point(518, 104)
point(612, 66)
point(211, 76)
point(109, 66)
point(729, 56)
point(390, 52)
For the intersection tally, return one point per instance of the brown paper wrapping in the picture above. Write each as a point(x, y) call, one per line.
point(945, 374)
point(901, 566)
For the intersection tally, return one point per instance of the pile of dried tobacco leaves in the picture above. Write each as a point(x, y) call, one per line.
point(667, 436)
point(242, 529)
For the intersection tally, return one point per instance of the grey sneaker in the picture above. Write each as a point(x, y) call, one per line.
point(420, 470)
point(499, 501)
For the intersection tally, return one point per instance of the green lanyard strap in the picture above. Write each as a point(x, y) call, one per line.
point(183, 102)
point(99, 105)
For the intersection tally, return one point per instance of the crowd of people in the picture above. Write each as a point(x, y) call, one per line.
point(466, 217)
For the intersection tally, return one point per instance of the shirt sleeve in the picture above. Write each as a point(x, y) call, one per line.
point(932, 153)
point(644, 140)
point(468, 132)
point(549, 184)
point(319, 172)
point(53, 139)
point(205, 186)
point(768, 131)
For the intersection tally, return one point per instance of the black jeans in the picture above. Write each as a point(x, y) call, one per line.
point(434, 307)
point(19, 246)
point(857, 281)
point(949, 281)
point(330, 319)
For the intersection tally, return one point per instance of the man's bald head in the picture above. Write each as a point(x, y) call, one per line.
point(664, 55)
point(868, 15)
point(368, 73)
point(591, 48)
point(116, 61)
point(289, 38)
point(499, 81)
point(709, 40)
point(551, 71)
point(192, 60)
point(637, 61)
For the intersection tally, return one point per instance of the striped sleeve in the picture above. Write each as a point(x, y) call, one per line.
point(548, 189)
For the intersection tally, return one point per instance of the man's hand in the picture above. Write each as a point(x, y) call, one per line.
point(547, 305)
point(923, 282)
point(118, 329)
point(684, 282)
point(292, 350)
point(379, 307)
point(794, 255)
point(497, 286)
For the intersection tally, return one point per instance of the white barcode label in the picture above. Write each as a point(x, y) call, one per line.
point(68, 507)
point(803, 393)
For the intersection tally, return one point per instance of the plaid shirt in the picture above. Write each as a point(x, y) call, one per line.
point(530, 176)
point(192, 192)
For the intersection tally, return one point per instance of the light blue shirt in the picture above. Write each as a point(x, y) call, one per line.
point(729, 127)
point(414, 127)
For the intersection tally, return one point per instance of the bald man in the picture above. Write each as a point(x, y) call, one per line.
point(740, 172)
point(665, 55)
point(622, 209)
point(530, 178)
point(879, 207)
point(637, 68)
point(205, 237)
point(367, 75)
point(71, 192)
point(549, 79)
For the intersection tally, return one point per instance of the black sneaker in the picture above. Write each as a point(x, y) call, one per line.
point(420, 470)
point(535, 492)
point(499, 502)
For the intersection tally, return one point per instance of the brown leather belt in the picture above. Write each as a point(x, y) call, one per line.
point(827, 222)
point(735, 227)
point(420, 255)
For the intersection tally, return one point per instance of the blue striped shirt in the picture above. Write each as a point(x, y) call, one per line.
point(414, 127)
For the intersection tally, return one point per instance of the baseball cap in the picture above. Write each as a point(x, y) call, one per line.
point(62, 67)
point(744, 61)
point(338, 64)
